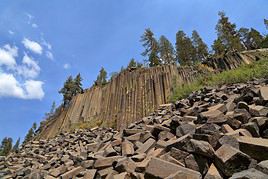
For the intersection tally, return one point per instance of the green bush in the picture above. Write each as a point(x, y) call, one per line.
point(258, 69)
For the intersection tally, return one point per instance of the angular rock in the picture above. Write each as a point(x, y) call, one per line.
point(106, 162)
point(72, 173)
point(213, 173)
point(90, 174)
point(257, 148)
point(127, 148)
point(160, 169)
point(264, 93)
point(230, 160)
point(249, 174)
point(201, 148)
point(184, 129)
point(253, 128)
point(146, 146)
point(229, 140)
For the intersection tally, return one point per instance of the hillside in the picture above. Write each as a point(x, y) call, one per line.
point(214, 133)
point(134, 94)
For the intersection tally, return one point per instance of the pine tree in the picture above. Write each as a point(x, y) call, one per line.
point(16, 146)
point(132, 63)
point(266, 23)
point(201, 49)
point(151, 48)
point(52, 110)
point(184, 49)
point(101, 78)
point(251, 38)
point(68, 90)
point(166, 50)
point(6, 146)
point(218, 47)
point(31, 133)
point(264, 43)
point(227, 33)
point(78, 84)
point(34, 127)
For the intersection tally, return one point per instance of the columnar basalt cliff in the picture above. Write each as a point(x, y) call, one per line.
point(133, 94)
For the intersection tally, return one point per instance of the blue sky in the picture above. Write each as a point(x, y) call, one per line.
point(42, 42)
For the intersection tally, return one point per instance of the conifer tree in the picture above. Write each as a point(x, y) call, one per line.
point(266, 23)
point(166, 50)
point(16, 145)
point(200, 48)
point(52, 110)
point(218, 47)
point(78, 84)
point(6, 146)
point(264, 43)
point(151, 48)
point(132, 63)
point(31, 133)
point(68, 90)
point(227, 33)
point(184, 49)
point(251, 38)
point(101, 78)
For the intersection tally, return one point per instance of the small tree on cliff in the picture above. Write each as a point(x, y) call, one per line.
point(184, 49)
point(200, 48)
point(264, 43)
point(251, 38)
point(6, 146)
point(132, 63)
point(151, 48)
point(16, 145)
point(78, 84)
point(68, 90)
point(101, 78)
point(31, 133)
point(266, 23)
point(167, 52)
point(52, 110)
point(227, 33)
point(218, 47)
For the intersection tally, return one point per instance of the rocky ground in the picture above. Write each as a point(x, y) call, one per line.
point(214, 133)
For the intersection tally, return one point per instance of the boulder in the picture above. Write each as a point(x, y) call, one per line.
point(213, 173)
point(257, 148)
point(249, 174)
point(161, 169)
point(201, 148)
point(230, 160)
point(264, 93)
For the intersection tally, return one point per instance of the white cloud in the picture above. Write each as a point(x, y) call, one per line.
point(66, 66)
point(49, 55)
point(10, 87)
point(8, 55)
point(16, 80)
point(29, 69)
point(30, 16)
point(33, 89)
point(33, 46)
point(11, 32)
point(47, 44)
point(34, 25)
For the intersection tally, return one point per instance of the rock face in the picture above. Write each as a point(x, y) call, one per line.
point(175, 141)
point(133, 94)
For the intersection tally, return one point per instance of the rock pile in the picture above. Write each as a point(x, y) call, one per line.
point(214, 133)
